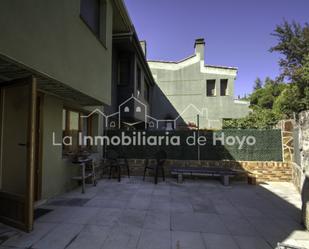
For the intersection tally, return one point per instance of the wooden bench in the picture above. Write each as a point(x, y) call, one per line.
point(225, 174)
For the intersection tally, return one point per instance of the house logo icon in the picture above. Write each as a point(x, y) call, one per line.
point(133, 112)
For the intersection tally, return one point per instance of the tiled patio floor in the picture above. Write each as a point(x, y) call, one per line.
point(193, 215)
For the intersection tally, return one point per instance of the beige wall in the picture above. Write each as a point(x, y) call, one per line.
point(50, 37)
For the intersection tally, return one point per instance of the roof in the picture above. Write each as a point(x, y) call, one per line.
point(189, 57)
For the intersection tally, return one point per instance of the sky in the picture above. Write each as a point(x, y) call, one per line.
point(237, 32)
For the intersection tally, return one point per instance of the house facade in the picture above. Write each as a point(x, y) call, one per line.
point(55, 67)
point(132, 83)
point(192, 92)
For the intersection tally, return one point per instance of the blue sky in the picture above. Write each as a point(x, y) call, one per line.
point(236, 32)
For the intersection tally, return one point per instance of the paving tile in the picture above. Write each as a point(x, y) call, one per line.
point(197, 222)
point(7, 232)
point(25, 240)
point(106, 203)
point(157, 220)
point(249, 211)
point(135, 214)
point(154, 239)
point(187, 240)
point(238, 225)
point(181, 206)
point(269, 230)
point(160, 206)
point(81, 215)
point(132, 218)
point(204, 206)
point(59, 237)
point(58, 215)
point(226, 208)
point(90, 237)
point(106, 217)
point(122, 236)
point(140, 203)
point(245, 242)
point(219, 241)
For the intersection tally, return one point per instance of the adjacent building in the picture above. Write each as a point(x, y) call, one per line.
point(132, 83)
point(191, 92)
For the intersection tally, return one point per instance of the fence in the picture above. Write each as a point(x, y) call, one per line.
point(221, 145)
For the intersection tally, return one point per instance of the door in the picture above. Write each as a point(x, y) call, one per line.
point(17, 152)
point(38, 149)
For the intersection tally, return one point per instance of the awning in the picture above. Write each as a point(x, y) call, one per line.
point(12, 70)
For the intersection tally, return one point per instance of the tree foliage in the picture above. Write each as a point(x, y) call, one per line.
point(289, 92)
point(257, 84)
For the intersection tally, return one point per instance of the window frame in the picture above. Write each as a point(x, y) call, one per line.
point(101, 33)
point(67, 130)
point(226, 81)
point(213, 81)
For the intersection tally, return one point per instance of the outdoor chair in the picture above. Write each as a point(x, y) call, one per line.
point(114, 162)
point(160, 157)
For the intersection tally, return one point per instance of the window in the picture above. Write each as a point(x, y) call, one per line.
point(93, 12)
point(211, 87)
point(138, 109)
point(126, 109)
point(72, 124)
point(123, 72)
point(74, 121)
point(139, 80)
point(223, 87)
point(146, 91)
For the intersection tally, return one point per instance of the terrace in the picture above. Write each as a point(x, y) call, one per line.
point(198, 214)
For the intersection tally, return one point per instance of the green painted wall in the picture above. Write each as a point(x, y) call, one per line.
point(50, 37)
point(56, 169)
point(55, 174)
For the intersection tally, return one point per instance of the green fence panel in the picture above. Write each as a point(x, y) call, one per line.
point(232, 145)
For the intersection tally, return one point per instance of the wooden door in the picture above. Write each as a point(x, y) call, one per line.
point(17, 150)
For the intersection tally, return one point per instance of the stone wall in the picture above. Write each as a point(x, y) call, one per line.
point(301, 149)
point(297, 176)
point(286, 127)
point(301, 170)
point(303, 124)
point(261, 171)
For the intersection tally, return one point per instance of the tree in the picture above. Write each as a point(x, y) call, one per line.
point(257, 84)
point(259, 118)
point(293, 44)
point(288, 101)
point(265, 96)
point(275, 99)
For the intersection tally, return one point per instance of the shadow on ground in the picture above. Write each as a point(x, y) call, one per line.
point(197, 214)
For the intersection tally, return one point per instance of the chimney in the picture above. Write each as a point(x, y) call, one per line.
point(199, 47)
point(144, 47)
